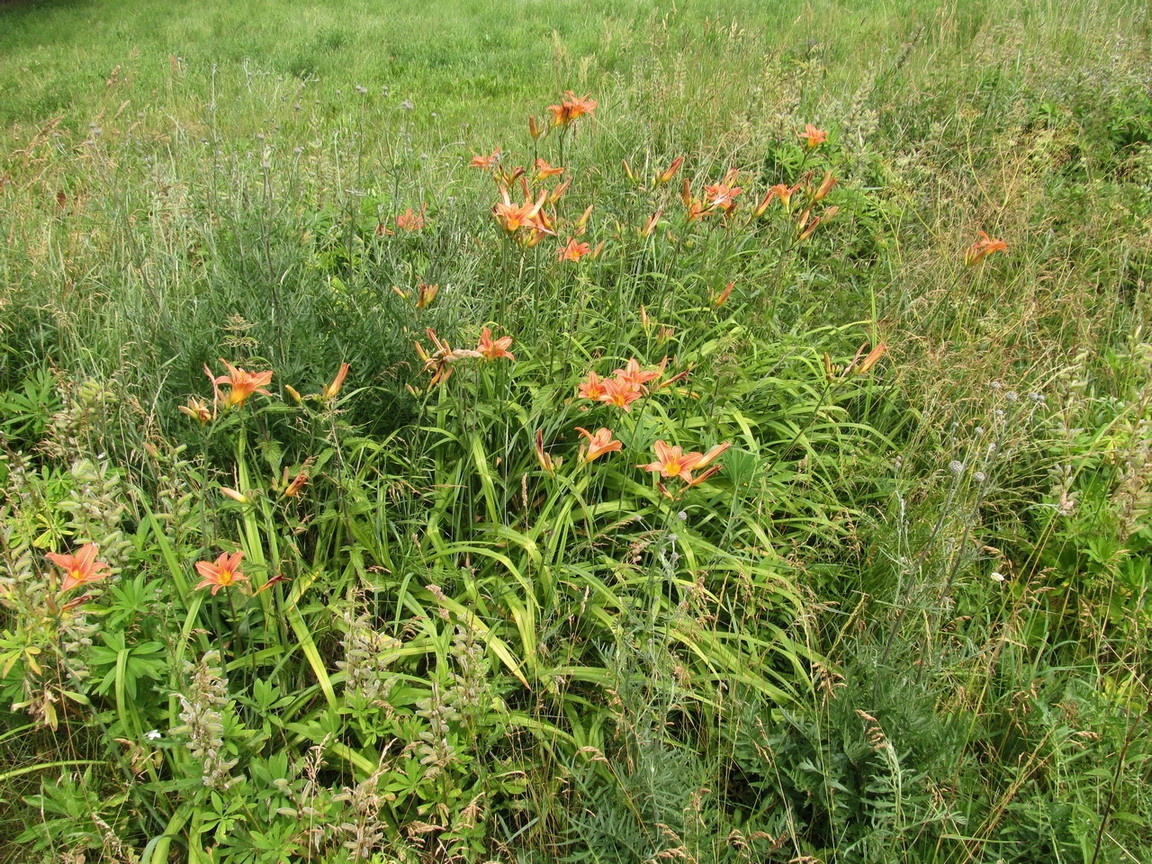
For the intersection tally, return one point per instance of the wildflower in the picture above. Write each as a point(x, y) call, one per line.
point(574, 251)
point(488, 162)
point(332, 390)
point(784, 192)
point(711, 456)
point(809, 227)
point(984, 247)
point(544, 170)
point(425, 294)
point(223, 573)
point(241, 383)
point(559, 191)
point(650, 226)
point(197, 409)
point(672, 462)
point(593, 388)
point(545, 459)
point(633, 374)
point(671, 171)
point(620, 393)
point(570, 108)
point(598, 444)
point(440, 361)
point(825, 186)
point(812, 136)
point(490, 349)
point(293, 488)
point(723, 296)
point(722, 195)
point(870, 361)
point(410, 221)
point(513, 217)
point(81, 567)
point(696, 211)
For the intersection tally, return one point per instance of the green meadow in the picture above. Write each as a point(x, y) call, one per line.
point(576, 432)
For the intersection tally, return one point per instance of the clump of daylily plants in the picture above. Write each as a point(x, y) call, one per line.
point(524, 218)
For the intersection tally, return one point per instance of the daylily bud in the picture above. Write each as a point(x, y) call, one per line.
point(294, 393)
point(234, 495)
point(546, 461)
point(293, 488)
point(650, 225)
point(686, 192)
point(671, 171)
point(333, 389)
point(628, 170)
point(825, 187)
point(831, 373)
point(559, 191)
point(533, 129)
point(722, 298)
point(870, 361)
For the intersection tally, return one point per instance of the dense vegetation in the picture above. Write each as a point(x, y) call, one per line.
point(462, 432)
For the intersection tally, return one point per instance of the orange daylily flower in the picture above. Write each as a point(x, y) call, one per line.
point(672, 462)
point(620, 393)
point(223, 573)
point(493, 349)
point(722, 195)
point(633, 374)
point(812, 136)
point(574, 251)
point(784, 192)
point(593, 388)
point(81, 567)
point(486, 162)
point(598, 444)
point(513, 217)
point(411, 221)
point(544, 170)
point(984, 247)
point(241, 383)
point(571, 107)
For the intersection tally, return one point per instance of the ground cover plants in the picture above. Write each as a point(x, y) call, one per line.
point(712, 434)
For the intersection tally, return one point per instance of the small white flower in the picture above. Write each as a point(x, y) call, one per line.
point(997, 576)
point(153, 735)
